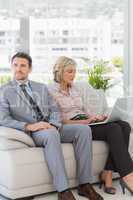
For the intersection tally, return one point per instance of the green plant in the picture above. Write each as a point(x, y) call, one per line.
point(97, 76)
point(4, 79)
point(118, 62)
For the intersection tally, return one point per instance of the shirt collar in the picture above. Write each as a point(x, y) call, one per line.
point(21, 82)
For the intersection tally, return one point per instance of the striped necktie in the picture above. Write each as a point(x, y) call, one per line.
point(33, 104)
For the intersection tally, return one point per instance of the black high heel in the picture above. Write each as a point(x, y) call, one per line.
point(124, 185)
point(109, 190)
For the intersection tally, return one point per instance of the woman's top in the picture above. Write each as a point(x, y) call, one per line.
point(70, 103)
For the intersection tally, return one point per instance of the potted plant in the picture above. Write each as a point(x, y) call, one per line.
point(97, 75)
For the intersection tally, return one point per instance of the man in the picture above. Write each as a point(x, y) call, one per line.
point(27, 106)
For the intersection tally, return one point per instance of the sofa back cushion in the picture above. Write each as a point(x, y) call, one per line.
point(94, 100)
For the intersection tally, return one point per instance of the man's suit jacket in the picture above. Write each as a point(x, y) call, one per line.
point(16, 111)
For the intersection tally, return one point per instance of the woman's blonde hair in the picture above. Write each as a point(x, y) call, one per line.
point(59, 67)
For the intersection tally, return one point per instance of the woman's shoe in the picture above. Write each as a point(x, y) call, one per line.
point(125, 185)
point(109, 190)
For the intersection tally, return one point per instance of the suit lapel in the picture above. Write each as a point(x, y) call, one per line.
point(36, 93)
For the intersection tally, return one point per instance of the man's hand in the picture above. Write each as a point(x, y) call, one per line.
point(38, 126)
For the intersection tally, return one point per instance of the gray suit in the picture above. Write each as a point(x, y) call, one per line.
point(16, 112)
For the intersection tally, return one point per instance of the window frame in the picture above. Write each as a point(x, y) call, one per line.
point(128, 49)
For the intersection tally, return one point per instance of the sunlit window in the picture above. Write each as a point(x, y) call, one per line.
point(86, 31)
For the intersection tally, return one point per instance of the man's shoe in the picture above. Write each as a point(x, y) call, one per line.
point(66, 195)
point(88, 191)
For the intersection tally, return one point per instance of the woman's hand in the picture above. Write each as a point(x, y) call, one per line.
point(96, 118)
point(88, 121)
point(101, 118)
point(91, 119)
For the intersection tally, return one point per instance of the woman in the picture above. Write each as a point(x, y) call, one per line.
point(116, 134)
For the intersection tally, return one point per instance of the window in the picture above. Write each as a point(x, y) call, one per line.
point(2, 33)
point(84, 30)
point(65, 32)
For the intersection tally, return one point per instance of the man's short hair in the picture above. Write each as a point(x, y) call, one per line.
point(23, 55)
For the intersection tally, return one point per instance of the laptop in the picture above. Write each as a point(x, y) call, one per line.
point(122, 110)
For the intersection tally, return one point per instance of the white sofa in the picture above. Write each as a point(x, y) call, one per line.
point(23, 169)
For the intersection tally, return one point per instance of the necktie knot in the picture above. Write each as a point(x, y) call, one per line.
point(23, 86)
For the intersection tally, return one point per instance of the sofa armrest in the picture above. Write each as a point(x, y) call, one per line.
point(8, 144)
point(10, 136)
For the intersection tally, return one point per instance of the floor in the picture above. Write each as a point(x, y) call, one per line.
point(117, 196)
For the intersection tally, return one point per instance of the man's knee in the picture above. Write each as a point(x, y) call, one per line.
point(84, 131)
point(53, 134)
point(45, 136)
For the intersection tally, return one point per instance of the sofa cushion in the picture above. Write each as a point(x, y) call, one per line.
point(94, 100)
point(31, 163)
point(14, 137)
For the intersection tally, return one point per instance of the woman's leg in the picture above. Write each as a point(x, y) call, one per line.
point(117, 136)
point(126, 130)
point(119, 158)
point(99, 133)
